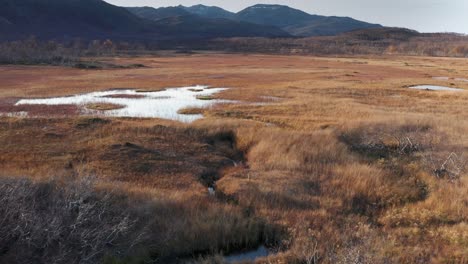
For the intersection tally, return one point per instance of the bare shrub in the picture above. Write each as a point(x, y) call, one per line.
point(51, 222)
point(32, 51)
point(307, 248)
point(445, 164)
point(435, 151)
point(377, 41)
point(384, 140)
point(76, 222)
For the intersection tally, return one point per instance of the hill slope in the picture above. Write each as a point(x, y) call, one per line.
point(69, 18)
point(209, 11)
point(178, 19)
point(276, 15)
point(186, 25)
point(299, 23)
point(159, 13)
point(380, 34)
point(96, 19)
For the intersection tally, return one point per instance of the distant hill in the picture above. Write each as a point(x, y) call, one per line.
point(209, 11)
point(194, 26)
point(293, 21)
point(96, 19)
point(4, 21)
point(276, 15)
point(69, 18)
point(159, 13)
point(178, 19)
point(300, 23)
point(381, 34)
point(328, 26)
point(4, 24)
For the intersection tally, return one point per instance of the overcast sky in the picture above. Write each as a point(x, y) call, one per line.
point(422, 15)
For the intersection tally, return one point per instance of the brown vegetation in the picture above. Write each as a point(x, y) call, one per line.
point(378, 41)
point(363, 42)
point(205, 97)
point(348, 167)
point(84, 221)
point(103, 106)
point(190, 111)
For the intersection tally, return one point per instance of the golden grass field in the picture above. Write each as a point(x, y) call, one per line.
point(336, 160)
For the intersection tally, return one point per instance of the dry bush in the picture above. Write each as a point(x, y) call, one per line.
point(52, 222)
point(446, 162)
point(434, 150)
point(77, 222)
point(353, 43)
point(32, 51)
point(383, 140)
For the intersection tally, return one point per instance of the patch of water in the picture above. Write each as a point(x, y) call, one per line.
point(436, 88)
point(248, 256)
point(160, 104)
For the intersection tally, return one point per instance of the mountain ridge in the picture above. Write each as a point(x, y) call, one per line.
point(97, 19)
point(221, 27)
point(209, 11)
point(294, 21)
point(300, 23)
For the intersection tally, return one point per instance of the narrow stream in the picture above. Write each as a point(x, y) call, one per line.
point(251, 255)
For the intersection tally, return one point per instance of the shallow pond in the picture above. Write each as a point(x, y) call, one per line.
point(161, 104)
point(435, 88)
point(248, 255)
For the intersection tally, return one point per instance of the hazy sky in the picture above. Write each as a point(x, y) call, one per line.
point(422, 15)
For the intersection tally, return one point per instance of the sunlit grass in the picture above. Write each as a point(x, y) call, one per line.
point(348, 161)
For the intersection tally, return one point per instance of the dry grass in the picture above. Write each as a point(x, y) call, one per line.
point(204, 97)
point(191, 111)
point(350, 162)
point(103, 106)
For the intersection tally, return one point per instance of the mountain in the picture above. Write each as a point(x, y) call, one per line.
point(96, 19)
point(327, 26)
point(293, 21)
point(4, 21)
point(276, 15)
point(4, 24)
point(69, 18)
point(159, 13)
point(300, 23)
point(383, 34)
point(209, 11)
point(193, 27)
point(178, 19)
